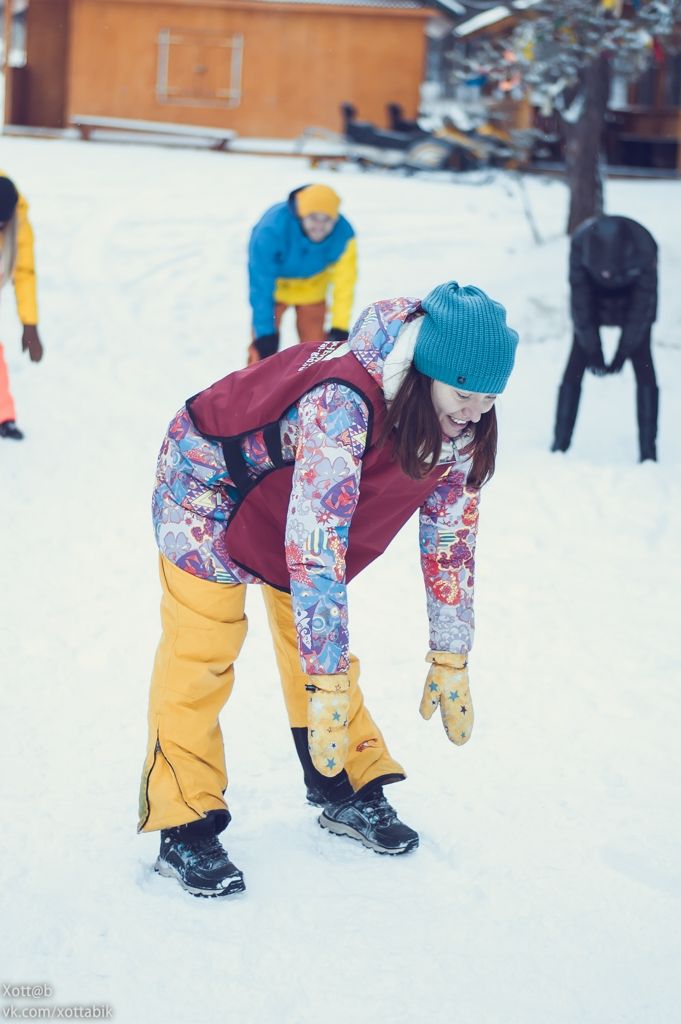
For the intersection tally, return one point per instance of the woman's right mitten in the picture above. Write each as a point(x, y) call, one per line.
point(328, 709)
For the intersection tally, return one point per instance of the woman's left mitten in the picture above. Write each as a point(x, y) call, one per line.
point(447, 685)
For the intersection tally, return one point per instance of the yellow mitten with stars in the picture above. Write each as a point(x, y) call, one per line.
point(447, 685)
point(328, 709)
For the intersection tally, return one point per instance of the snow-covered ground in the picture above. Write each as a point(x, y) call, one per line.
point(547, 888)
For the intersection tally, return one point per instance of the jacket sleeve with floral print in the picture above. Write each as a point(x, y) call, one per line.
point(331, 441)
point(448, 524)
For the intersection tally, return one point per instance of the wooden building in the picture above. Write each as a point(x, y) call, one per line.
point(260, 67)
point(273, 68)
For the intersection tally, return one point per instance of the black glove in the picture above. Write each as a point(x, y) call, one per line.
point(596, 364)
point(266, 345)
point(618, 361)
point(589, 340)
point(337, 334)
point(631, 338)
point(31, 343)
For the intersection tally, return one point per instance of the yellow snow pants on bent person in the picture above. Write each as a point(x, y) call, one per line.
point(203, 629)
point(368, 757)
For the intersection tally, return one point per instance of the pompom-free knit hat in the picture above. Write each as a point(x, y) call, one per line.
point(9, 198)
point(464, 339)
point(317, 199)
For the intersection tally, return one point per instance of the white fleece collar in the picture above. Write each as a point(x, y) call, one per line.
point(395, 369)
point(400, 358)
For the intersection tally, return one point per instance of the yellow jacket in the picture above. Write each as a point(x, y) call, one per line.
point(23, 274)
point(340, 276)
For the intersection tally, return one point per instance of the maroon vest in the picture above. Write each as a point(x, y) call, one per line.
point(256, 398)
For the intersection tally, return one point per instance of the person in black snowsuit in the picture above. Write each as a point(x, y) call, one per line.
point(613, 282)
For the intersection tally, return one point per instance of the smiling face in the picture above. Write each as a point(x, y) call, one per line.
point(317, 226)
point(456, 409)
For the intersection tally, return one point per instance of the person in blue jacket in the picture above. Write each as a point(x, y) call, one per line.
point(302, 253)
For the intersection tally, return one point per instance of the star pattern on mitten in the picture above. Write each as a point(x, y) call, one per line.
point(447, 686)
point(328, 711)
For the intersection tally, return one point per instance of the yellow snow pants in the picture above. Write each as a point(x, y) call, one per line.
point(203, 628)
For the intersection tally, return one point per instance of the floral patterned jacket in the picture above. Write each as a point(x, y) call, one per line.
point(325, 433)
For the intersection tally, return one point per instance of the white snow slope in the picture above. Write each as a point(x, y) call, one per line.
point(547, 886)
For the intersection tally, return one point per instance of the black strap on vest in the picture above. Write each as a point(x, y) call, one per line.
point(236, 466)
point(272, 436)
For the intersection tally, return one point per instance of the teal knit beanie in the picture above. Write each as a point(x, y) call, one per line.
point(464, 339)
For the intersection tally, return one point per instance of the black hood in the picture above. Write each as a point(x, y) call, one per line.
point(9, 197)
point(616, 250)
point(292, 198)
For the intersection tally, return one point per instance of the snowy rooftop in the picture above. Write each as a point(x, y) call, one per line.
point(491, 16)
point(482, 20)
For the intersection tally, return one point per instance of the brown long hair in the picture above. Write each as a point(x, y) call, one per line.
point(412, 426)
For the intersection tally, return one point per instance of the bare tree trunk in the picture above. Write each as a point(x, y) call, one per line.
point(583, 126)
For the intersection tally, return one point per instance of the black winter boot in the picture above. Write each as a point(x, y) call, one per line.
point(647, 399)
point(194, 855)
point(370, 819)
point(10, 430)
point(566, 416)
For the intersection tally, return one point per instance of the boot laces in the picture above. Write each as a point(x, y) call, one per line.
point(205, 849)
point(378, 810)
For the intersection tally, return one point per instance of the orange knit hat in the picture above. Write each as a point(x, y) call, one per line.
point(317, 199)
